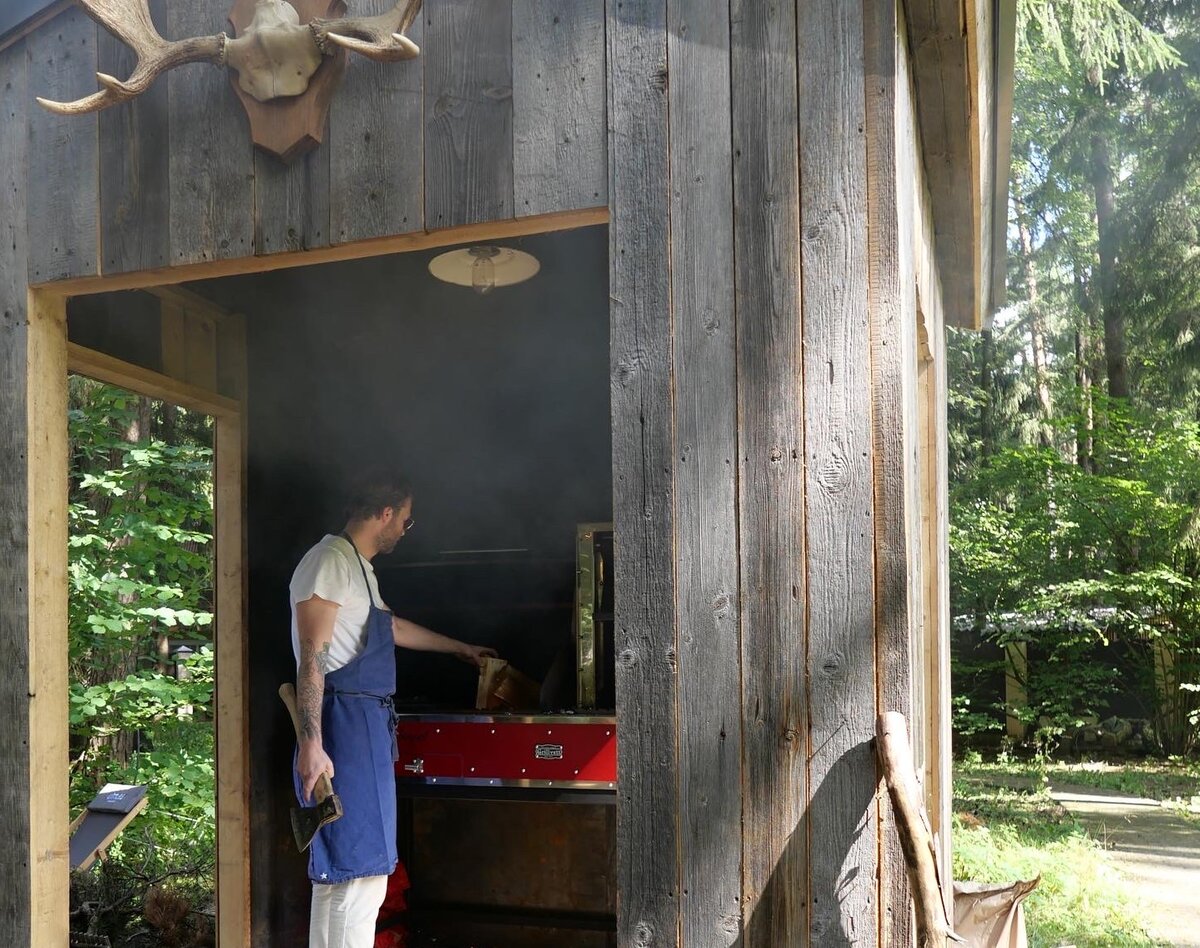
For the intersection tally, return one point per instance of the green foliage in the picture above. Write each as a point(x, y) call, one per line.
point(1046, 552)
point(140, 580)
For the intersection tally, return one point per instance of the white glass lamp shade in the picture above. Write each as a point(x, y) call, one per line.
point(484, 267)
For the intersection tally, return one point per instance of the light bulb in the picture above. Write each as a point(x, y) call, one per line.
point(483, 275)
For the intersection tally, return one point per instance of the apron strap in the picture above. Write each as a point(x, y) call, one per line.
point(358, 557)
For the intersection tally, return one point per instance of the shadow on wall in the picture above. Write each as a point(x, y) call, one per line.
point(797, 900)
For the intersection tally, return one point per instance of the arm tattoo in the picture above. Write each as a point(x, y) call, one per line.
point(310, 688)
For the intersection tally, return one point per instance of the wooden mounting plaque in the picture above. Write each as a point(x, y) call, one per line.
point(290, 127)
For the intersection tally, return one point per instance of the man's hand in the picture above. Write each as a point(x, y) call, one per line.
point(474, 654)
point(310, 764)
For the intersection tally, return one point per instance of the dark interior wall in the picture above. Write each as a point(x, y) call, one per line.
point(497, 406)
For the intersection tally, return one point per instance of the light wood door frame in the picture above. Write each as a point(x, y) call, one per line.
point(51, 359)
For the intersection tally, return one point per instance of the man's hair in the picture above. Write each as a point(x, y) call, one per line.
point(372, 490)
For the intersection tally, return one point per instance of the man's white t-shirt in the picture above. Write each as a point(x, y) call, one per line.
point(331, 570)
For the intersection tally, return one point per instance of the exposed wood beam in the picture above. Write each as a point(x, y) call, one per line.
point(1006, 52)
point(376, 247)
point(951, 43)
point(105, 368)
point(191, 301)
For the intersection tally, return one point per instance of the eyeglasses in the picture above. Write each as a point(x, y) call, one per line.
point(408, 524)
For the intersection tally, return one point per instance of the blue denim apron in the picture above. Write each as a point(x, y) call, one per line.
point(358, 726)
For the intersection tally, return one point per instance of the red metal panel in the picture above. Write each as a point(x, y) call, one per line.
point(485, 750)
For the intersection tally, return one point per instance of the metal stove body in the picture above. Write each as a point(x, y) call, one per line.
point(508, 751)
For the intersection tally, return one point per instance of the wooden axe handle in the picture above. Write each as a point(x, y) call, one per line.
point(287, 692)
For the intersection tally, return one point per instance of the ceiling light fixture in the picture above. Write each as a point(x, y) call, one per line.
point(484, 267)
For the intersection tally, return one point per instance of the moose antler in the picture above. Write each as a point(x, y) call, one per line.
point(275, 56)
point(129, 21)
point(377, 37)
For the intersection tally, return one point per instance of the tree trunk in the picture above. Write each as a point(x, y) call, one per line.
point(987, 413)
point(1037, 330)
point(1114, 321)
point(1084, 437)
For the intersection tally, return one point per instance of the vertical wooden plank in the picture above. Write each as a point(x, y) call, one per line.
point(211, 162)
point(897, 468)
point(15, 855)
point(941, 789)
point(766, 183)
point(134, 213)
point(291, 202)
point(705, 422)
point(648, 836)
point(376, 144)
point(468, 112)
point(46, 646)
point(559, 123)
point(1016, 695)
point(173, 335)
point(62, 177)
point(232, 721)
point(842, 811)
point(200, 350)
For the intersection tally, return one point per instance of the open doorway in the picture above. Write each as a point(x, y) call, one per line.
point(497, 406)
point(141, 647)
point(155, 468)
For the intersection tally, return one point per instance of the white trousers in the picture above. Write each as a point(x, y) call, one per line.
point(344, 914)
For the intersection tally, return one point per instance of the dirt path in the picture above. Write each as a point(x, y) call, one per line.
point(1156, 849)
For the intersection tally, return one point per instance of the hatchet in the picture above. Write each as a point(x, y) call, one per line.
point(306, 820)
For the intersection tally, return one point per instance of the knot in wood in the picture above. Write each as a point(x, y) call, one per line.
point(721, 603)
point(831, 665)
point(643, 935)
point(627, 658)
point(834, 475)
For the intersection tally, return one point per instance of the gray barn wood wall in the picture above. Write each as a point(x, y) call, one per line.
point(763, 366)
point(15, 893)
point(501, 116)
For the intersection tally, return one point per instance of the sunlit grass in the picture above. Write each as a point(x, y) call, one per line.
point(1005, 833)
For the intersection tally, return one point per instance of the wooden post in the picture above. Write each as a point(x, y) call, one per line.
point(46, 386)
point(232, 720)
point(1016, 692)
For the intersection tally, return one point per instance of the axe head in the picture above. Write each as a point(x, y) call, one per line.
point(307, 820)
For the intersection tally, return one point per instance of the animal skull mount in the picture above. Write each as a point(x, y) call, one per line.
point(287, 57)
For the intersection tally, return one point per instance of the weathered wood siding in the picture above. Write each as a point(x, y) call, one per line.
point(16, 893)
point(501, 116)
point(766, 434)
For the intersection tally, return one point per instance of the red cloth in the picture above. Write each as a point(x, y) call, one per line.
point(394, 902)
